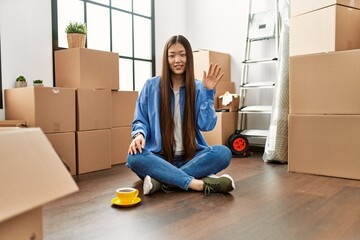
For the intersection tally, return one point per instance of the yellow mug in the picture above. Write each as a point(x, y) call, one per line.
point(127, 194)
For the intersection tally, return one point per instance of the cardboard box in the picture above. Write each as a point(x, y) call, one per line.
point(299, 7)
point(120, 141)
point(221, 88)
point(29, 169)
point(28, 225)
point(64, 145)
point(93, 150)
point(325, 145)
point(203, 58)
point(335, 28)
point(225, 127)
point(93, 109)
point(229, 101)
point(13, 123)
point(123, 107)
point(51, 109)
point(86, 68)
point(326, 83)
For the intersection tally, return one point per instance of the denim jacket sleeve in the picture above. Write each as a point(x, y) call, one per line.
point(205, 117)
point(141, 120)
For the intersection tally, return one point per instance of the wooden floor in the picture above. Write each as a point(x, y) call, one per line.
point(268, 203)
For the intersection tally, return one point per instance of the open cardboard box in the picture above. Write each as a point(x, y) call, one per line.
point(31, 175)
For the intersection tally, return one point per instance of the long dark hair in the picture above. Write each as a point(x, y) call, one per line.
point(188, 123)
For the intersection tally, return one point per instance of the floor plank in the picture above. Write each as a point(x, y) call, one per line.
point(268, 203)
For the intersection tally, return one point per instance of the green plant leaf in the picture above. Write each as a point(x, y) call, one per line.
point(76, 27)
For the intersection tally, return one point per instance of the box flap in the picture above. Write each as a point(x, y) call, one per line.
point(31, 173)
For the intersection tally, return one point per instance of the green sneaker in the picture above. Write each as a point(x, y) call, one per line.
point(151, 185)
point(218, 184)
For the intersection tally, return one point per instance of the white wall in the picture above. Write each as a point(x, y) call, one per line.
point(170, 19)
point(26, 42)
point(219, 25)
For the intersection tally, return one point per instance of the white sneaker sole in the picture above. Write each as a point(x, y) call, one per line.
point(147, 186)
point(224, 175)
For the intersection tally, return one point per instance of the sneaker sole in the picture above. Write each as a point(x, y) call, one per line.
point(224, 175)
point(147, 185)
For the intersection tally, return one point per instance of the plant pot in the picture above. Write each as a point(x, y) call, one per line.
point(76, 40)
point(38, 84)
point(19, 84)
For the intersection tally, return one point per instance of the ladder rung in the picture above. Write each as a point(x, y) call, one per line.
point(252, 85)
point(261, 38)
point(255, 133)
point(256, 109)
point(265, 60)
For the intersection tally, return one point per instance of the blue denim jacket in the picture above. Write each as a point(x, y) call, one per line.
point(147, 113)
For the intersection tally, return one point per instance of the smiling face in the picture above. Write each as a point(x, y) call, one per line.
point(177, 59)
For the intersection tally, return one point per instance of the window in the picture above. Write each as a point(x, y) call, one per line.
point(122, 26)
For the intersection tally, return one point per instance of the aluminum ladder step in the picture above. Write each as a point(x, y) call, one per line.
point(256, 109)
point(254, 39)
point(264, 60)
point(255, 133)
point(265, 84)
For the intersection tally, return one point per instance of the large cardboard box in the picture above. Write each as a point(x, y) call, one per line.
point(335, 28)
point(31, 175)
point(93, 109)
point(325, 145)
point(86, 68)
point(123, 107)
point(326, 83)
point(51, 109)
point(93, 150)
point(203, 59)
point(300, 6)
point(64, 145)
point(120, 141)
point(225, 126)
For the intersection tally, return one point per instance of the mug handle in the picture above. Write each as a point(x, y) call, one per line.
point(136, 192)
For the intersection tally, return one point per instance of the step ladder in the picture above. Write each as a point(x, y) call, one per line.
point(262, 27)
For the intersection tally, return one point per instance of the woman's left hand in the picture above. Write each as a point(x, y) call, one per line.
point(212, 78)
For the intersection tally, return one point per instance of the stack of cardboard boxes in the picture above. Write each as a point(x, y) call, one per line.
point(51, 109)
point(324, 120)
point(227, 121)
point(80, 124)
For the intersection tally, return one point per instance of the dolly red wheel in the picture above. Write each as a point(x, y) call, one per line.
point(238, 144)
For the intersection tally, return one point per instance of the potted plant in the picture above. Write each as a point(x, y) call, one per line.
point(76, 34)
point(20, 81)
point(38, 83)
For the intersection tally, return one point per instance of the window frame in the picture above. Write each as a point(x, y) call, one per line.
point(55, 39)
